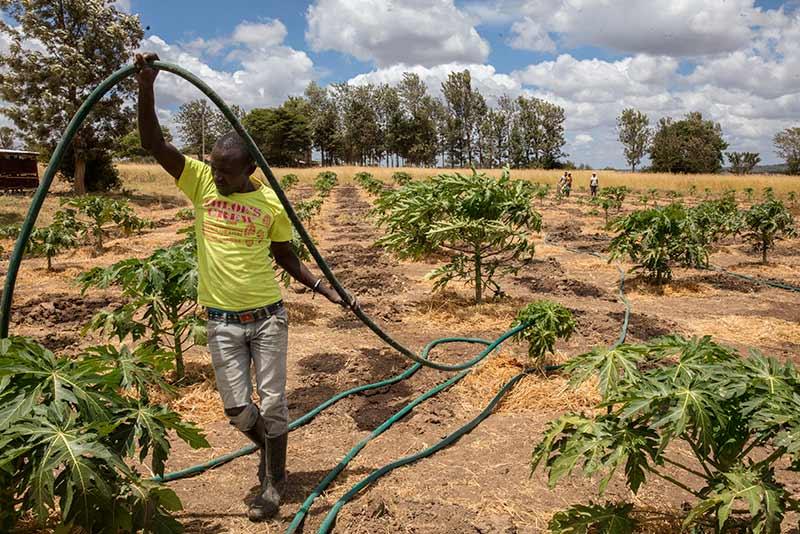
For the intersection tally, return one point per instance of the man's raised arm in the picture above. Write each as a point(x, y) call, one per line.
point(153, 140)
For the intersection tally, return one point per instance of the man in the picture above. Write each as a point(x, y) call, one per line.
point(239, 222)
point(562, 183)
point(594, 182)
point(568, 184)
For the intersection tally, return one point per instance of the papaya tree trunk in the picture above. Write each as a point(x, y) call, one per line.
point(80, 174)
point(478, 286)
point(180, 370)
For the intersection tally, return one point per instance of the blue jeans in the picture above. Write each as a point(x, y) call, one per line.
point(262, 345)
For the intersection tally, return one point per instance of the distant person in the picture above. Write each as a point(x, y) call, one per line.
point(594, 183)
point(240, 223)
point(562, 183)
point(568, 185)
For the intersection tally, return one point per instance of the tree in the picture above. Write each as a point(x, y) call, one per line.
point(633, 130)
point(691, 145)
point(324, 122)
point(464, 108)
point(483, 223)
point(58, 53)
point(130, 145)
point(766, 222)
point(7, 137)
point(540, 125)
point(787, 146)
point(743, 162)
point(417, 138)
point(200, 125)
point(283, 134)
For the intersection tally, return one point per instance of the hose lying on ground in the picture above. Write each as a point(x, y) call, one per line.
point(420, 360)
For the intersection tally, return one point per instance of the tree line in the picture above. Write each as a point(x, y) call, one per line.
point(81, 42)
point(693, 145)
point(393, 125)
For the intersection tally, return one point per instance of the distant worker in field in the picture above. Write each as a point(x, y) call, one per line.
point(239, 223)
point(562, 183)
point(568, 185)
point(594, 183)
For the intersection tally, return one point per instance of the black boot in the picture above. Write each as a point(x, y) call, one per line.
point(268, 502)
point(258, 435)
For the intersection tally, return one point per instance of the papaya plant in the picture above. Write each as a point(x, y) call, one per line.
point(325, 182)
point(737, 419)
point(72, 430)
point(549, 322)
point(50, 241)
point(101, 211)
point(288, 181)
point(656, 238)
point(401, 178)
point(616, 194)
point(767, 222)
point(482, 223)
point(162, 300)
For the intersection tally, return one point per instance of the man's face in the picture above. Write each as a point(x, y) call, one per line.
point(231, 171)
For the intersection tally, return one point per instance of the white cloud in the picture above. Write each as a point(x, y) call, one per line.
point(267, 71)
point(123, 5)
point(655, 27)
point(387, 32)
point(582, 139)
point(530, 35)
point(485, 78)
point(595, 80)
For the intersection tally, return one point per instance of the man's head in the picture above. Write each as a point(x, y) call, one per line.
point(232, 164)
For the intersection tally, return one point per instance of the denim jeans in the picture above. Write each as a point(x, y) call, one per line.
point(262, 345)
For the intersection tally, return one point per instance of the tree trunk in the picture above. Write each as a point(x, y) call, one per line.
point(179, 367)
point(80, 174)
point(478, 288)
point(49, 263)
point(764, 252)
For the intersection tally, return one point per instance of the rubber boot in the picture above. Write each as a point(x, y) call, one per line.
point(268, 502)
point(258, 435)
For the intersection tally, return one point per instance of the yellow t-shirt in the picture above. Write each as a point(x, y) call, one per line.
point(233, 238)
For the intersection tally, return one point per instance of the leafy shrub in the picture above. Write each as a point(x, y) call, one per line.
point(765, 223)
point(401, 178)
point(288, 181)
point(483, 223)
point(738, 418)
point(103, 210)
point(715, 219)
point(9, 231)
point(185, 214)
point(51, 240)
point(372, 185)
point(655, 238)
point(549, 320)
point(615, 194)
point(162, 294)
point(325, 182)
point(69, 428)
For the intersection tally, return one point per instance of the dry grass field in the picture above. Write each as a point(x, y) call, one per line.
point(141, 175)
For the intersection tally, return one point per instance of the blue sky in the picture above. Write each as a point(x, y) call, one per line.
point(736, 61)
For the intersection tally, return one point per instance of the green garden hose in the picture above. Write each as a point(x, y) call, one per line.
point(420, 360)
point(330, 518)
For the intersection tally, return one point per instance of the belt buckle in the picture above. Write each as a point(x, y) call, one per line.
point(246, 317)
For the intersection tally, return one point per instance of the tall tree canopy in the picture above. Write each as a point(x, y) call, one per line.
point(691, 145)
point(283, 134)
point(787, 146)
point(633, 131)
point(58, 53)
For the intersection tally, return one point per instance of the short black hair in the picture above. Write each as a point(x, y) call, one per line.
point(232, 141)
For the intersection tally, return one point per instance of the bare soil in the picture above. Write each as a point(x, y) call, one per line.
point(481, 484)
